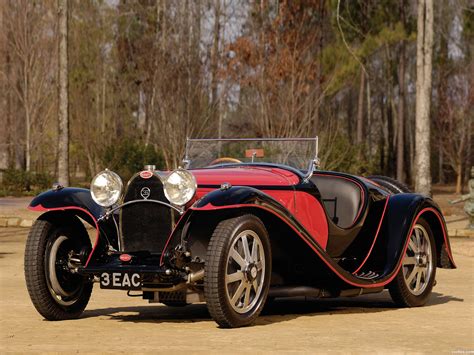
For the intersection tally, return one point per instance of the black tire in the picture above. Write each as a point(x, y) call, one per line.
point(401, 294)
point(254, 276)
point(173, 299)
point(45, 239)
point(394, 186)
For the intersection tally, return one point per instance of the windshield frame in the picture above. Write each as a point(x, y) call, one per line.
point(313, 163)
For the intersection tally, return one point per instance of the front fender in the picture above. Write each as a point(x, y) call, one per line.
point(59, 204)
point(69, 198)
point(235, 195)
point(248, 197)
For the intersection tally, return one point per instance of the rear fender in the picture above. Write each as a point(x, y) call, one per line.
point(403, 212)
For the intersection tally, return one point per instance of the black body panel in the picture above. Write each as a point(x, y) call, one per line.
point(388, 250)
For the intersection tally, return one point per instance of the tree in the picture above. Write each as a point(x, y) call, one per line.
point(424, 56)
point(28, 36)
point(401, 104)
point(63, 116)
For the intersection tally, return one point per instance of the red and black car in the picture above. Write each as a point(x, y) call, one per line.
point(245, 221)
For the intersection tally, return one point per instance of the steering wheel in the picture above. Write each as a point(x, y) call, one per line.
point(225, 160)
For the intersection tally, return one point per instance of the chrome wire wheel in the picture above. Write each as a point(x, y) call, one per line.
point(245, 271)
point(238, 271)
point(417, 264)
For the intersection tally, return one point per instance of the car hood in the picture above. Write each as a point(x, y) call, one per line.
point(246, 176)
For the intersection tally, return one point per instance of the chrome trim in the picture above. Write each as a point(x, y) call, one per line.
point(112, 210)
point(312, 166)
point(151, 168)
point(119, 234)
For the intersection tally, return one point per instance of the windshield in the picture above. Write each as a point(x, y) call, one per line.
point(294, 152)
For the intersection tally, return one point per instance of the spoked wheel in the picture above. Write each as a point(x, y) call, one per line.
point(55, 290)
point(245, 271)
point(237, 271)
point(414, 282)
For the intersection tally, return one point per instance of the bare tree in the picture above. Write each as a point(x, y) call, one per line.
point(424, 56)
point(63, 115)
point(360, 108)
point(29, 37)
point(4, 98)
point(401, 104)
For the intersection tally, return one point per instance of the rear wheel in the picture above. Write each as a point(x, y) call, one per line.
point(237, 271)
point(414, 282)
point(56, 292)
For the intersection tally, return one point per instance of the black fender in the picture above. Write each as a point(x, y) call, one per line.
point(402, 213)
point(66, 204)
point(388, 250)
point(69, 198)
point(219, 204)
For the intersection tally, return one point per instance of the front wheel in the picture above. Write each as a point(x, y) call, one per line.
point(56, 292)
point(237, 271)
point(413, 284)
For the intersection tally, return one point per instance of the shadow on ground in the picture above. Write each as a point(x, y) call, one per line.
point(280, 310)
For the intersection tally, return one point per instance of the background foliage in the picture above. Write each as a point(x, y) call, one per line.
point(146, 74)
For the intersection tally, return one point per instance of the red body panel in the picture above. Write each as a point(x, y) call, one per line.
point(306, 209)
point(245, 176)
point(312, 216)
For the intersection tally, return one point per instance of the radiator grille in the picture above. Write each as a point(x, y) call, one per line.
point(145, 226)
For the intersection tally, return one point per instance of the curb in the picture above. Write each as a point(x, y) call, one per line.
point(461, 233)
point(27, 223)
point(15, 222)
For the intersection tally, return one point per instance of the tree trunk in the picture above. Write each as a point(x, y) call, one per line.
point(215, 60)
point(423, 96)
point(360, 109)
point(4, 118)
point(369, 121)
point(63, 134)
point(441, 178)
point(401, 105)
point(459, 178)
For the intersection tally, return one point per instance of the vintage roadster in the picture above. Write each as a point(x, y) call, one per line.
point(243, 222)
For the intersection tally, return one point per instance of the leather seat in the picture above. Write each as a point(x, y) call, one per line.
point(342, 198)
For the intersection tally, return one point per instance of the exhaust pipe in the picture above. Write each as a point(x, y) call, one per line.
point(195, 276)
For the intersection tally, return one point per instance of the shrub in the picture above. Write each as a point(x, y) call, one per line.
point(128, 157)
point(19, 181)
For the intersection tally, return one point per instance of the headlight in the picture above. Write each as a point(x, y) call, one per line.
point(180, 187)
point(106, 188)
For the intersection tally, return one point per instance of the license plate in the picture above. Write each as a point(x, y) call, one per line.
point(120, 281)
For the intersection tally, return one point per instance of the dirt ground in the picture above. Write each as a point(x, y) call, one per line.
point(114, 322)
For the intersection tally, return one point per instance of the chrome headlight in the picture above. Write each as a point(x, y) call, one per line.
point(180, 187)
point(106, 188)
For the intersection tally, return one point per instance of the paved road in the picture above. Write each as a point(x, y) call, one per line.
point(114, 322)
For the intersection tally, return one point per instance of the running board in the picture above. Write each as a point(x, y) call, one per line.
point(306, 291)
